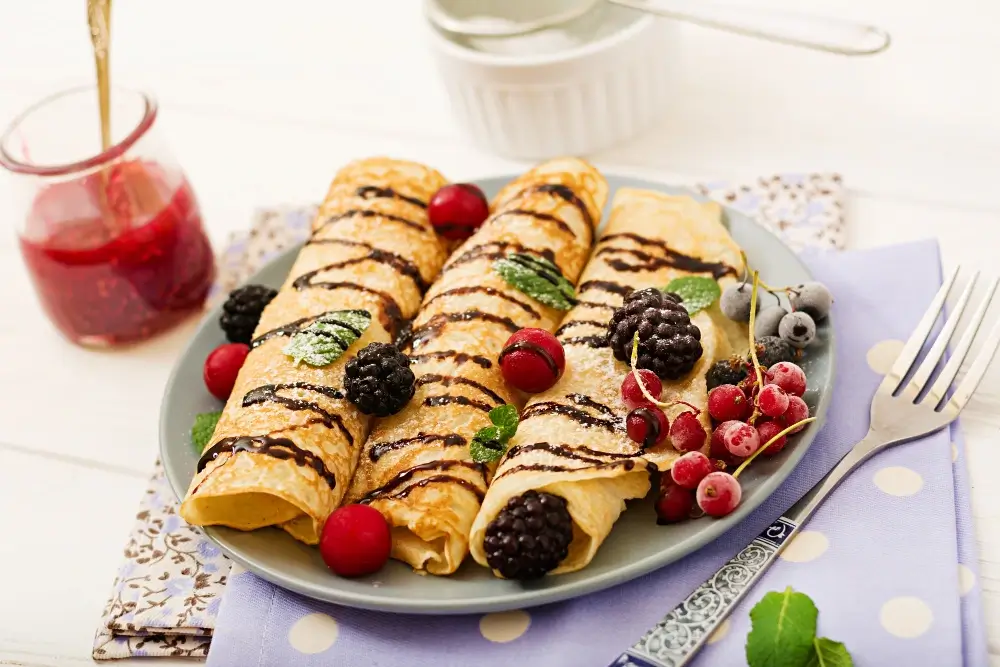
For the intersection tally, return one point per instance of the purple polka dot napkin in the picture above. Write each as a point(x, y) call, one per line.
point(883, 559)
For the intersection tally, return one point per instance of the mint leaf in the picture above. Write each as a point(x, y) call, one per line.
point(830, 654)
point(697, 292)
point(504, 418)
point(538, 278)
point(783, 630)
point(203, 428)
point(325, 340)
point(487, 445)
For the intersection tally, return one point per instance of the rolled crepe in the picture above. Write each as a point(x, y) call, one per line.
point(415, 467)
point(571, 440)
point(287, 443)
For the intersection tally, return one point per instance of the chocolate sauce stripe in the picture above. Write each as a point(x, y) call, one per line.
point(580, 323)
point(376, 192)
point(369, 213)
point(489, 291)
point(379, 449)
point(278, 448)
point(448, 399)
point(588, 402)
point(495, 250)
point(399, 263)
point(595, 342)
point(575, 452)
point(565, 193)
point(627, 464)
point(671, 258)
point(448, 380)
point(436, 324)
point(401, 478)
point(268, 393)
point(393, 315)
point(573, 413)
point(605, 286)
point(459, 357)
point(596, 304)
point(537, 215)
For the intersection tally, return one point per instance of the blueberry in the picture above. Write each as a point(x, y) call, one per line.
point(798, 328)
point(766, 322)
point(735, 302)
point(812, 298)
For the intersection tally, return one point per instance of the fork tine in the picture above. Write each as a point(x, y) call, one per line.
point(919, 336)
point(976, 371)
point(935, 354)
point(961, 351)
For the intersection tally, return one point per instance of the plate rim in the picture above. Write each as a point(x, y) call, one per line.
point(524, 598)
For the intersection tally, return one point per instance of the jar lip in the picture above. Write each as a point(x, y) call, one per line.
point(113, 152)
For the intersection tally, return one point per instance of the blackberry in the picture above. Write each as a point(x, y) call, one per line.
point(241, 311)
point(727, 371)
point(669, 344)
point(771, 350)
point(530, 536)
point(379, 380)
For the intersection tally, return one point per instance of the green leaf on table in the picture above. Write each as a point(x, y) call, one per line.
point(783, 630)
point(538, 278)
point(696, 292)
point(203, 428)
point(505, 418)
point(487, 445)
point(830, 654)
point(325, 340)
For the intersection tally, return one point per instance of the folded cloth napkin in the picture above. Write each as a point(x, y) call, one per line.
point(162, 602)
point(880, 558)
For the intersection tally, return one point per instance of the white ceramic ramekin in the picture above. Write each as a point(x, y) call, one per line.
point(571, 102)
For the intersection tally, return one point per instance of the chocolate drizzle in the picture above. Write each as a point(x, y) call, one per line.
point(564, 193)
point(588, 402)
point(434, 326)
point(459, 357)
point(652, 426)
point(448, 380)
point(537, 215)
point(590, 341)
point(579, 323)
point(595, 304)
point(375, 192)
point(368, 213)
point(278, 448)
point(268, 393)
point(393, 314)
point(626, 464)
point(671, 258)
point(447, 399)
point(576, 414)
point(391, 488)
point(605, 286)
point(489, 291)
point(397, 262)
point(577, 453)
point(496, 250)
point(531, 347)
point(380, 449)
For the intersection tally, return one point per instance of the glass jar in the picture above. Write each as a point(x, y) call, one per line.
point(112, 239)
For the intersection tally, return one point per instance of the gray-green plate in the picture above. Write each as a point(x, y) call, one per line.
point(636, 545)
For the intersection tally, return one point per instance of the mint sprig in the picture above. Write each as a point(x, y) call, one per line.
point(203, 428)
point(696, 292)
point(490, 442)
point(538, 278)
point(783, 634)
point(325, 340)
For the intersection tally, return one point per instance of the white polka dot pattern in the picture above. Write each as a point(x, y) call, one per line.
point(505, 626)
point(906, 617)
point(898, 481)
point(313, 633)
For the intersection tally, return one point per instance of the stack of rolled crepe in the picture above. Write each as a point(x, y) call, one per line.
point(416, 467)
point(287, 444)
point(578, 450)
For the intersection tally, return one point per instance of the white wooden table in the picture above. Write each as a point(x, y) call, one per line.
point(262, 101)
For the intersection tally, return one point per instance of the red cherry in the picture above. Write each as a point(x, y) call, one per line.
point(772, 400)
point(532, 360)
point(788, 376)
point(632, 395)
point(690, 469)
point(457, 210)
point(222, 365)
point(766, 431)
point(355, 541)
point(647, 425)
point(674, 504)
point(727, 402)
point(796, 412)
point(686, 433)
point(718, 494)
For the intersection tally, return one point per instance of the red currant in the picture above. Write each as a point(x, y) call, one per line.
point(741, 439)
point(532, 360)
point(632, 395)
point(457, 210)
point(222, 366)
point(718, 494)
point(674, 504)
point(726, 402)
point(355, 541)
point(796, 412)
point(690, 469)
point(686, 433)
point(772, 400)
point(647, 425)
point(717, 448)
point(788, 376)
point(767, 430)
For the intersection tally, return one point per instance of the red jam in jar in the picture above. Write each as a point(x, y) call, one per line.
point(119, 254)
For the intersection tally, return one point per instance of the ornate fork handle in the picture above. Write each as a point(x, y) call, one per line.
point(681, 633)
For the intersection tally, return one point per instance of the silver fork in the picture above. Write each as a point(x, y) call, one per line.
point(901, 410)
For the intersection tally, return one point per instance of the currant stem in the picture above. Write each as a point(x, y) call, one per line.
point(753, 346)
point(776, 437)
point(638, 380)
